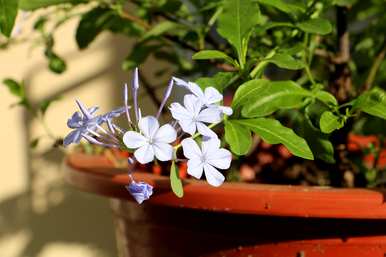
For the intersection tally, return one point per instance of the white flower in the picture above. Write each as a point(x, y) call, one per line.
point(206, 159)
point(191, 117)
point(152, 141)
point(210, 97)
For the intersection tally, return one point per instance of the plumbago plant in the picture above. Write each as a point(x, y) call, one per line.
point(303, 73)
point(150, 141)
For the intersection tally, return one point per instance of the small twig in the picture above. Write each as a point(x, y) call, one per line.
point(374, 69)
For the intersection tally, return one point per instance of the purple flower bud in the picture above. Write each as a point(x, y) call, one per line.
point(134, 87)
point(140, 191)
point(167, 94)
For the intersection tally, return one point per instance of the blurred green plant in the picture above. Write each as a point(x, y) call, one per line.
point(321, 60)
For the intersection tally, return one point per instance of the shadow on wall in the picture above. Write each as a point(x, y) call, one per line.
point(49, 211)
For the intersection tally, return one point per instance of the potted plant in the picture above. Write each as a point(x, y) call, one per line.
point(291, 78)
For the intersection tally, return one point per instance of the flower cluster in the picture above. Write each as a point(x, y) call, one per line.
point(194, 119)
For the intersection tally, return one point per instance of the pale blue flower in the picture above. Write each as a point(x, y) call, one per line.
point(141, 191)
point(82, 124)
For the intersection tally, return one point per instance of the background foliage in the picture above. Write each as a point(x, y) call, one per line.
point(302, 73)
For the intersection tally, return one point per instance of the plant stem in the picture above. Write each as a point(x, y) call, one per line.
point(374, 68)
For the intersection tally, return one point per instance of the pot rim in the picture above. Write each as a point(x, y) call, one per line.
point(95, 174)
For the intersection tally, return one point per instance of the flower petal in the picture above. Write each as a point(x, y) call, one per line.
point(210, 115)
point(148, 126)
point(133, 139)
point(212, 95)
point(144, 154)
point(75, 121)
point(195, 168)
point(73, 137)
point(188, 126)
point(179, 112)
point(163, 151)
point(192, 104)
point(210, 146)
point(205, 131)
point(226, 110)
point(165, 134)
point(213, 176)
point(191, 149)
point(195, 89)
point(220, 158)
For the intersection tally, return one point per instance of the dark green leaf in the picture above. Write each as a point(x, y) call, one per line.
point(36, 4)
point(372, 102)
point(235, 23)
point(316, 26)
point(247, 90)
point(56, 64)
point(14, 87)
point(175, 181)
point(272, 96)
point(286, 61)
point(284, 6)
point(138, 55)
point(90, 25)
point(213, 54)
point(8, 12)
point(161, 28)
point(320, 146)
point(34, 143)
point(219, 81)
point(273, 132)
point(330, 122)
point(238, 137)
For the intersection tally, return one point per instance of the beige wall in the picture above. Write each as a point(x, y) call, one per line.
point(39, 214)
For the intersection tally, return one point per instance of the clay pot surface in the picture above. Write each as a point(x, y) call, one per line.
point(236, 220)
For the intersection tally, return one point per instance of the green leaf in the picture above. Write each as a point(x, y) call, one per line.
point(330, 122)
point(90, 25)
point(14, 87)
point(160, 29)
point(372, 102)
point(247, 90)
point(43, 106)
point(326, 98)
point(273, 132)
point(344, 2)
point(139, 53)
point(213, 54)
point(289, 8)
point(316, 26)
point(34, 143)
point(30, 5)
point(219, 81)
point(8, 12)
point(320, 146)
point(235, 23)
point(238, 137)
point(272, 96)
point(286, 61)
point(175, 181)
point(56, 64)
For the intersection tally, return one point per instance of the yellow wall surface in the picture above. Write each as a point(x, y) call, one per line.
point(40, 215)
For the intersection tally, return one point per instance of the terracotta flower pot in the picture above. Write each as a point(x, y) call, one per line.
point(235, 219)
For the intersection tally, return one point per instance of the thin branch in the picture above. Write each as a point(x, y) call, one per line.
point(374, 68)
point(150, 90)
